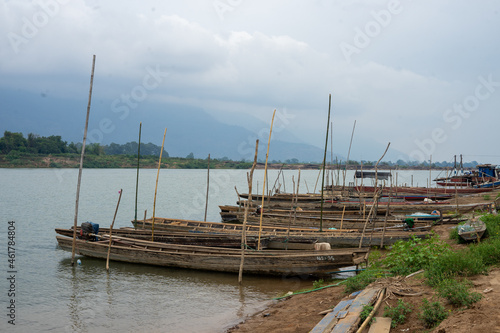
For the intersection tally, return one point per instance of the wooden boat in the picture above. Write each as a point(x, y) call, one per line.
point(317, 263)
point(177, 237)
point(472, 230)
point(298, 219)
point(288, 236)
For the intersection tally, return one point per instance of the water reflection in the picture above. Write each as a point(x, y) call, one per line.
point(141, 296)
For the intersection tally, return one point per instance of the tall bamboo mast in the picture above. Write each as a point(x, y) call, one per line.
point(264, 183)
point(137, 179)
point(156, 187)
point(348, 153)
point(324, 161)
point(73, 247)
point(208, 186)
point(111, 230)
point(249, 200)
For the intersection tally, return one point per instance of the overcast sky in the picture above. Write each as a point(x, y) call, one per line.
point(423, 75)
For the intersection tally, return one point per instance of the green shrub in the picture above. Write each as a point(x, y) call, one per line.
point(432, 313)
point(488, 251)
point(398, 313)
point(367, 309)
point(410, 256)
point(361, 280)
point(492, 225)
point(453, 264)
point(458, 292)
point(317, 284)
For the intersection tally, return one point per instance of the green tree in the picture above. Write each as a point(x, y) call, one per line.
point(12, 141)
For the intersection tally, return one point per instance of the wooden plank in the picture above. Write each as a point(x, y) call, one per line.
point(329, 320)
point(344, 325)
point(381, 325)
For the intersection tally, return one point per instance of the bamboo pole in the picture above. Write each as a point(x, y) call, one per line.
point(263, 184)
point(144, 221)
point(348, 153)
point(156, 187)
point(137, 181)
point(324, 162)
point(386, 216)
point(375, 200)
point(208, 185)
point(243, 229)
point(73, 247)
point(317, 178)
point(111, 229)
point(342, 219)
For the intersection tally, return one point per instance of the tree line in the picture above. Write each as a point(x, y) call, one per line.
point(12, 143)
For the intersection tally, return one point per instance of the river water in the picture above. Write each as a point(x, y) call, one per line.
point(52, 296)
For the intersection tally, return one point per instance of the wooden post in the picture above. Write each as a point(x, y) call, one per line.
point(342, 219)
point(263, 184)
point(156, 188)
point(208, 185)
point(324, 162)
point(111, 229)
point(137, 180)
point(386, 216)
point(375, 199)
point(144, 221)
point(243, 229)
point(348, 153)
point(73, 248)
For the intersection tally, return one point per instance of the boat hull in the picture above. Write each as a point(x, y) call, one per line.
point(317, 263)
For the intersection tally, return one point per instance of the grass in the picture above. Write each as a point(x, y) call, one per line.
point(367, 309)
point(410, 256)
point(458, 293)
point(398, 313)
point(445, 270)
point(432, 313)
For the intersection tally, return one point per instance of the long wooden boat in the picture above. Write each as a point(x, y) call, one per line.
point(176, 237)
point(274, 235)
point(297, 219)
point(472, 230)
point(264, 262)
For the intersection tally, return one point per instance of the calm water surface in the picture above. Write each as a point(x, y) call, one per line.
point(52, 296)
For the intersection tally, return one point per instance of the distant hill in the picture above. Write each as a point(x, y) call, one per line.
point(189, 130)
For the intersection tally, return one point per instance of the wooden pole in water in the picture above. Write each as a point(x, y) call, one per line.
point(348, 153)
point(208, 186)
point(111, 229)
point(156, 187)
point(73, 247)
point(137, 180)
point(263, 184)
point(324, 162)
point(243, 229)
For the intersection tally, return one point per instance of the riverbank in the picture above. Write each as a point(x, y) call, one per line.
point(27, 160)
point(301, 312)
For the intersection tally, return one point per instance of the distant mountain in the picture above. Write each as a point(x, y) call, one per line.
point(188, 129)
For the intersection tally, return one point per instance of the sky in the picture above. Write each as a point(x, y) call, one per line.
point(422, 75)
